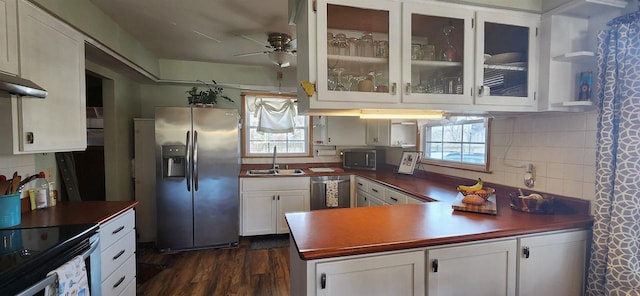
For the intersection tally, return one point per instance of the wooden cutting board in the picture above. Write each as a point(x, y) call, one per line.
point(488, 207)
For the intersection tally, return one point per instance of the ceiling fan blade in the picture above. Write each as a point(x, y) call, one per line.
point(250, 54)
point(255, 40)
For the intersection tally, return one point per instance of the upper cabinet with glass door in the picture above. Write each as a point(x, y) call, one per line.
point(358, 61)
point(437, 54)
point(507, 60)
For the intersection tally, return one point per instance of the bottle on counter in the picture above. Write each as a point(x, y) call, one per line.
point(42, 192)
point(53, 194)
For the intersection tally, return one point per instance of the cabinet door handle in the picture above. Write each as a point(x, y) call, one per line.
point(323, 281)
point(118, 255)
point(273, 197)
point(119, 282)
point(393, 88)
point(359, 184)
point(393, 198)
point(526, 252)
point(408, 89)
point(118, 230)
point(278, 197)
point(434, 265)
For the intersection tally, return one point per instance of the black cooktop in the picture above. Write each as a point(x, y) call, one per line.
point(28, 254)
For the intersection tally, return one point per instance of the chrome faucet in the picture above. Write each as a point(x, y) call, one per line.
point(275, 149)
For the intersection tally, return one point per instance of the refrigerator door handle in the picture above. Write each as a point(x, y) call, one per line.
point(195, 160)
point(188, 163)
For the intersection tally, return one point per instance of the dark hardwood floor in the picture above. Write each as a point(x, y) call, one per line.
point(232, 271)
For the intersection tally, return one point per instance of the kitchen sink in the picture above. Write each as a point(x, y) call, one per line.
point(289, 172)
point(271, 172)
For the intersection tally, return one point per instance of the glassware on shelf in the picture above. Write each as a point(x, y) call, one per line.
point(353, 46)
point(448, 51)
point(382, 50)
point(367, 45)
point(341, 46)
point(330, 43)
point(429, 52)
point(416, 51)
point(366, 84)
point(339, 86)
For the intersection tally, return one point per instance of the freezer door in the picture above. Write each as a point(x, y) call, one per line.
point(173, 200)
point(216, 169)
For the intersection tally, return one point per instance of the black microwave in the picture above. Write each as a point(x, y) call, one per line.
point(363, 159)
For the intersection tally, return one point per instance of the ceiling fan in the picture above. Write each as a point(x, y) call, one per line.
point(282, 49)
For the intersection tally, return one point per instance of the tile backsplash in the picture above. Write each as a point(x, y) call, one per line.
point(561, 148)
point(23, 164)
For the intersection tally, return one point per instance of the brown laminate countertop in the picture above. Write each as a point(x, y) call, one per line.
point(79, 212)
point(352, 231)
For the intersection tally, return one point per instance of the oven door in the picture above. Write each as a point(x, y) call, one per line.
point(91, 256)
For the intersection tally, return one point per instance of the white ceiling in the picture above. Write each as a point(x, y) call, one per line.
point(202, 30)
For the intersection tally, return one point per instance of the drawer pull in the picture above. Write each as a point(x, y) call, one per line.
point(525, 252)
point(376, 191)
point(393, 198)
point(119, 282)
point(323, 281)
point(118, 230)
point(118, 255)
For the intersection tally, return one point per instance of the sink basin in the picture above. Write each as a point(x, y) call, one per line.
point(261, 172)
point(289, 172)
point(270, 172)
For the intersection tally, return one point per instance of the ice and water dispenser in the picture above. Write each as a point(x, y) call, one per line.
point(173, 161)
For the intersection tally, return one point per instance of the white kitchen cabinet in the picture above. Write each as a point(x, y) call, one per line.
point(389, 273)
point(9, 37)
point(392, 133)
point(117, 253)
point(402, 79)
point(338, 130)
point(568, 46)
point(487, 268)
point(508, 80)
point(52, 56)
point(553, 264)
point(265, 200)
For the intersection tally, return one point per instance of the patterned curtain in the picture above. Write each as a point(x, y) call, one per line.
point(615, 253)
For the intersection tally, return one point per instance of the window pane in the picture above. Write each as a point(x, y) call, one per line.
point(452, 133)
point(457, 140)
point(436, 134)
point(474, 132)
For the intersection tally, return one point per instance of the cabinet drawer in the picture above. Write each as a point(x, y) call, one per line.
point(130, 289)
point(376, 190)
point(362, 184)
point(394, 197)
point(116, 229)
point(115, 255)
point(274, 183)
point(120, 278)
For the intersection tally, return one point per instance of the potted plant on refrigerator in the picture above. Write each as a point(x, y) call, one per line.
point(206, 97)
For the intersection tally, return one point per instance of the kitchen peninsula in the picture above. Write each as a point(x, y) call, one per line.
point(414, 249)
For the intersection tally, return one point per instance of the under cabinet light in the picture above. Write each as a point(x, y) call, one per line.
point(400, 114)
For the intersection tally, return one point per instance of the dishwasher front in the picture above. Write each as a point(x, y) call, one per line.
point(319, 191)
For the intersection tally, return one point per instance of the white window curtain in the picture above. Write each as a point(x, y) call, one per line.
point(275, 115)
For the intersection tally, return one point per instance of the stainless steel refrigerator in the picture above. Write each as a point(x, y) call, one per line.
point(197, 167)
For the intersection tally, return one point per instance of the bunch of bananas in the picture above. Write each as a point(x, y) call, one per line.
point(471, 188)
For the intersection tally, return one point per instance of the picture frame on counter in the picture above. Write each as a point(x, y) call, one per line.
point(408, 162)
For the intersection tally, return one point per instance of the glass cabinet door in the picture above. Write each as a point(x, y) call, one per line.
point(437, 54)
point(506, 71)
point(358, 50)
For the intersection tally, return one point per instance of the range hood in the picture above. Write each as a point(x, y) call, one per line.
point(22, 87)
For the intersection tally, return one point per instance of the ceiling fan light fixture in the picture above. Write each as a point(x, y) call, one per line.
point(280, 58)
